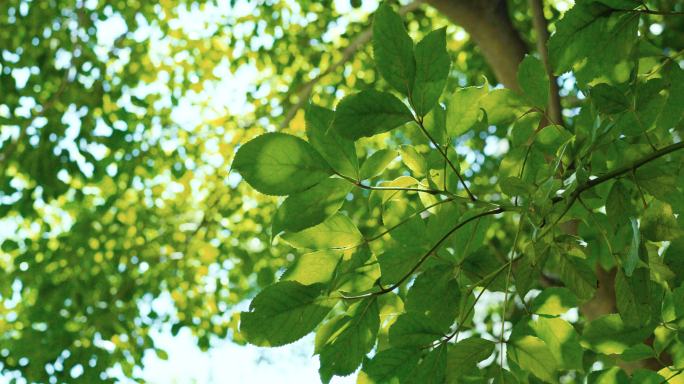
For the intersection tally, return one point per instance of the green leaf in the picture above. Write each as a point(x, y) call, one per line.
point(437, 294)
point(562, 340)
point(435, 124)
point(660, 271)
point(466, 354)
point(311, 268)
point(673, 377)
point(643, 376)
point(609, 335)
point(608, 99)
point(369, 113)
point(311, 207)
point(393, 50)
point(336, 232)
point(324, 332)
point(413, 231)
point(529, 268)
point(284, 312)
point(534, 81)
point(619, 206)
point(481, 264)
point(636, 353)
point(351, 338)
point(648, 105)
point(398, 195)
point(280, 164)
point(632, 258)
point(463, 112)
point(674, 107)
point(578, 276)
point(358, 271)
point(674, 258)
point(505, 377)
point(442, 222)
point(514, 186)
point(391, 366)
point(503, 106)
point(439, 167)
point(554, 301)
point(432, 69)
point(377, 162)
point(161, 354)
point(572, 245)
point(593, 37)
point(659, 222)
point(658, 178)
point(432, 370)
point(470, 237)
point(633, 295)
point(397, 262)
point(531, 354)
point(524, 128)
point(413, 330)
point(414, 160)
point(339, 152)
point(614, 375)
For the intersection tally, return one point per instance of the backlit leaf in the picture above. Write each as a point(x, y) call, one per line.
point(609, 335)
point(432, 68)
point(339, 152)
point(531, 354)
point(336, 232)
point(280, 164)
point(311, 207)
point(393, 50)
point(351, 338)
point(369, 113)
point(377, 163)
point(284, 312)
point(534, 81)
point(463, 112)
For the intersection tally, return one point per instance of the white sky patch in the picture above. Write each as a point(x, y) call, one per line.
point(109, 30)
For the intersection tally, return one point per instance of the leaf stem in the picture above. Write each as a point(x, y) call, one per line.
point(648, 12)
point(508, 282)
point(425, 257)
point(641, 193)
point(489, 282)
point(470, 195)
point(643, 129)
point(406, 220)
point(452, 196)
point(543, 112)
point(627, 168)
point(600, 227)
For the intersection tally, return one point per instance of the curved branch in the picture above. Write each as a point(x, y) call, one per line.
point(427, 255)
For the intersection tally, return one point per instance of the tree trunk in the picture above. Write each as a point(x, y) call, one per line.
point(488, 24)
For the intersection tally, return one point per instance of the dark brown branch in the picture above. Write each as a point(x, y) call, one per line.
point(541, 25)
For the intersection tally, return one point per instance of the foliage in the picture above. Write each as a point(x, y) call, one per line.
point(616, 171)
point(117, 192)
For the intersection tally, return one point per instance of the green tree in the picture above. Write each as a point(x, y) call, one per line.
point(100, 221)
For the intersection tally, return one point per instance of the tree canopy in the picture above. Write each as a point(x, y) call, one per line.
point(367, 171)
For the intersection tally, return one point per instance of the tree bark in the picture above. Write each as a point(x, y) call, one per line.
point(489, 25)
